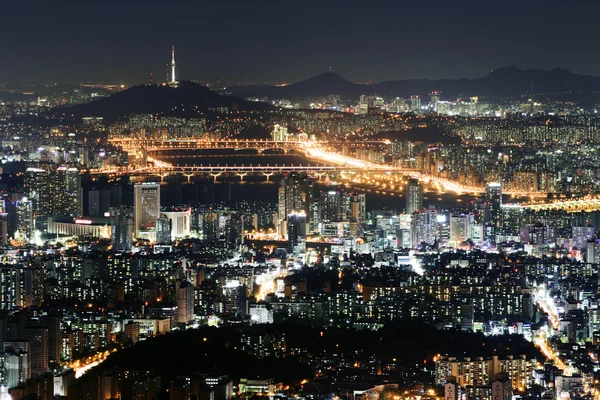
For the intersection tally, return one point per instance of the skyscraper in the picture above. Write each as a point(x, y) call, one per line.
point(38, 342)
point(296, 227)
point(98, 202)
point(331, 206)
point(185, 303)
point(146, 203)
point(295, 195)
point(459, 229)
point(40, 187)
point(52, 324)
point(163, 230)
point(17, 362)
point(53, 190)
point(358, 208)
point(25, 222)
point(414, 196)
point(69, 199)
point(181, 221)
point(122, 228)
point(423, 227)
point(493, 214)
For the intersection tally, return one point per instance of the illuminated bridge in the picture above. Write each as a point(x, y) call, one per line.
point(217, 170)
point(154, 145)
point(577, 205)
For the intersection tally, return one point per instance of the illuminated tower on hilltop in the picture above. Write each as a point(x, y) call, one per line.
point(173, 80)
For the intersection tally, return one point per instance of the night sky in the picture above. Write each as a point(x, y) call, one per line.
point(285, 41)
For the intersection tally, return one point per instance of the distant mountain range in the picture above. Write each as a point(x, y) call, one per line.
point(508, 82)
point(187, 100)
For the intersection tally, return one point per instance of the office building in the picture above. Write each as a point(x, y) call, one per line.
point(38, 342)
point(185, 303)
point(25, 221)
point(424, 227)
point(181, 222)
point(331, 206)
point(163, 230)
point(40, 186)
point(98, 202)
point(512, 218)
point(296, 228)
point(17, 363)
point(233, 300)
point(147, 209)
point(493, 210)
point(358, 208)
point(459, 229)
point(414, 196)
point(68, 200)
point(122, 228)
point(295, 195)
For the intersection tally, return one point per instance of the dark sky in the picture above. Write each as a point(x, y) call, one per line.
point(283, 40)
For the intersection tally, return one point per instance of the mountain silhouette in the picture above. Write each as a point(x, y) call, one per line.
point(502, 83)
point(187, 100)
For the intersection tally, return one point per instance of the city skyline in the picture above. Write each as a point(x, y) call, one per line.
point(407, 239)
point(272, 43)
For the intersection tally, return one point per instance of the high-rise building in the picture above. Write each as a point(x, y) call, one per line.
point(122, 228)
point(493, 210)
point(52, 324)
point(512, 218)
point(11, 286)
point(434, 98)
point(69, 199)
point(38, 342)
point(185, 303)
point(331, 206)
point(415, 103)
point(17, 363)
point(581, 235)
point(233, 299)
point(414, 196)
point(459, 229)
point(591, 253)
point(181, 222)
point(424, 227)
point(25, 222)
point(279, 133)
point(40, 187)
point(147, 208)
point(163, 230)
point(358, 208)
point(296, 227)
point(234, 230)
point(98, 202)
point(54, 191)
point(4, 228)
point(295, 195)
